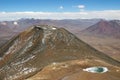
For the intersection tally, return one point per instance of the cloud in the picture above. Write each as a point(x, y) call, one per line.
point(61, 7)
point(81, 6)
point(107, 14)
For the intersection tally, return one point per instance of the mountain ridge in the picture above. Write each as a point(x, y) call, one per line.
point(104, 28)
point(31, 50)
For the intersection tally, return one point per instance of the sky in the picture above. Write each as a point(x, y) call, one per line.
point(59, 9)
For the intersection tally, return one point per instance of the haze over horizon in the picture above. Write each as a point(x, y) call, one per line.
point(59, 9)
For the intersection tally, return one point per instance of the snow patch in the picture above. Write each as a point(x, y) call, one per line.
point(15, 23)
point(54, 28)
point(28, 70)
point(96, 69)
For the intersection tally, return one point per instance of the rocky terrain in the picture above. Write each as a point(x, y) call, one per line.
point(104, 29)
point(104, 36)
point(45, 52)
point(74, 70)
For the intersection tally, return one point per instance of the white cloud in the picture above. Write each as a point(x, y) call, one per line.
point(107, 14)
point(61, 7)
point(81, 6)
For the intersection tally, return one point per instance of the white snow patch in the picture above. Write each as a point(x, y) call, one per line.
point(15, 23)
point(54, 28)
point(28, 70)
point(96, 69)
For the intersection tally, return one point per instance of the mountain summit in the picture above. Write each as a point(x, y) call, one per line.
point(104, 28)
point(27, 53)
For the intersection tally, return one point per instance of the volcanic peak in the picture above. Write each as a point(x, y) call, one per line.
point(46, 27)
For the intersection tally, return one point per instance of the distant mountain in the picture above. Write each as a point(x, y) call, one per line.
point(104, 28)
point(5, 32)
point(4, 29)
point(75, 24)
point(27, 53)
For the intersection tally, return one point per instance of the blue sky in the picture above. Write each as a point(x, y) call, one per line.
point(54, 5)
point(59, 9)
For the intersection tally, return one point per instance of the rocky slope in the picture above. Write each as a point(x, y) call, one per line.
point(74, 70)
point(104, 28)
point(29, 52)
